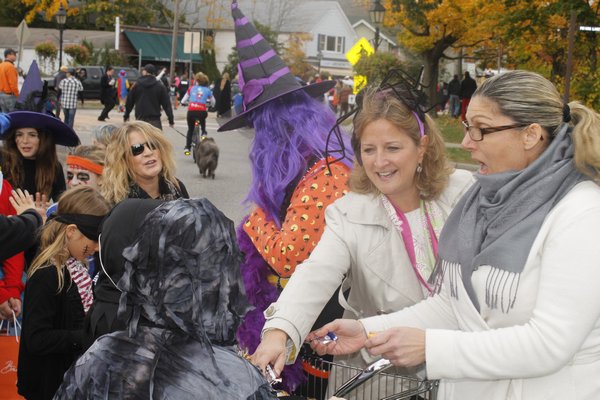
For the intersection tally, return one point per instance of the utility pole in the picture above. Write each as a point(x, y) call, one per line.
point(572, 29)
point(174, 41)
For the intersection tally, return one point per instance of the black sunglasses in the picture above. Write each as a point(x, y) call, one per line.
point(138, 148)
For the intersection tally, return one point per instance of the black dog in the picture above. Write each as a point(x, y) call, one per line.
point(207, 157)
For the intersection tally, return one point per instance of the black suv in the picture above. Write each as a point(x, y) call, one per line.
point(90, 76)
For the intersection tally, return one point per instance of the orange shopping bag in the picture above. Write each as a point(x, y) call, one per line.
point(9, 354)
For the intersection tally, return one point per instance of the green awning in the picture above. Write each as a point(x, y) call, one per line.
point(157, 46)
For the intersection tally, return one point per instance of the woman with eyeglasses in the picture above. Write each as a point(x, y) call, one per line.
point(380, 240)
point(516, 313)
point(140, 164)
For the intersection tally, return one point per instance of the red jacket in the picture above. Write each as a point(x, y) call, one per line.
point(11, 284)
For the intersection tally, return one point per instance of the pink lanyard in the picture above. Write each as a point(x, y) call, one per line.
point(410, 245)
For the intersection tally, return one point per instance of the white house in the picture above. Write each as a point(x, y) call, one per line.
point(325, 21)
point(364, 28)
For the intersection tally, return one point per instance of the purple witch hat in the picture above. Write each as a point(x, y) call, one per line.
point(262, 74)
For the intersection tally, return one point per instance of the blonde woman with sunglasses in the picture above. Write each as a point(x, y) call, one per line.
point(140, 164)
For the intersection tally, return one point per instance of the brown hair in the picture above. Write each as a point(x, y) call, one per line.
point(46, 162)
point(433, 178)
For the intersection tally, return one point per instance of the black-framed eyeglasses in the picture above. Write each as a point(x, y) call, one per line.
point(138, 148)
point(476, 134)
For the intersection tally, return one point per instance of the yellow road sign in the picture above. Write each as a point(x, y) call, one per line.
point(360, 48)
point(360, 81)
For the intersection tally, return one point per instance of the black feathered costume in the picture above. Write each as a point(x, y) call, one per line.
point(183, 283)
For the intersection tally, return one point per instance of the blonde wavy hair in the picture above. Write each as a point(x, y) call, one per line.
point(539, 102)
point(201, 79)
point(118, 171)
point(433, 178)
point(53, 237)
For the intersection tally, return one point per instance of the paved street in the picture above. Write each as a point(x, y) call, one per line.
point(232, 175)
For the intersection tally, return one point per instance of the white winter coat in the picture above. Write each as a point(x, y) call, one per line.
point(548, 346)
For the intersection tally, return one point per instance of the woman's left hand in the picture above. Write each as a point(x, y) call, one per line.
point(404, 347)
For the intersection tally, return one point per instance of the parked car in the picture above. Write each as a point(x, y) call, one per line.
point(90, 76)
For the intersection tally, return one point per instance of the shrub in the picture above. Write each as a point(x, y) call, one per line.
point(79, 53)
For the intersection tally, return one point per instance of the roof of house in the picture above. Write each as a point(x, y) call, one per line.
point(386, 35)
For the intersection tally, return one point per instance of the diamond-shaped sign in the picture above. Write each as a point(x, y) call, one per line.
point(360, 81)
point(360, 48)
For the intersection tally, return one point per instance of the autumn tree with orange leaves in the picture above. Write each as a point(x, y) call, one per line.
point(430, 27)
point(535, 34)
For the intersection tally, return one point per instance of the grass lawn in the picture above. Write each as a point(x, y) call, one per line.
point(451, 129)
point(453, 132)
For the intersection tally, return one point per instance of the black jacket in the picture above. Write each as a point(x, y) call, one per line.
point(18, 233)
point(30, 168)
point(454, 87)
point(108, 92)
point(148, 95)
point(467, 88)
point(52, 333)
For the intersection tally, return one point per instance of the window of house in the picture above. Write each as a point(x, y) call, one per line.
point(335, 44)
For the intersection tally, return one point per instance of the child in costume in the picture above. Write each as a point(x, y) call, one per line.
point(294, 180)
point(122, 89)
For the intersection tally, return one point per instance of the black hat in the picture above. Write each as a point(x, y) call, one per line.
point(9, 51)
point(71, 70)
point(262, 74)
point(150, 68)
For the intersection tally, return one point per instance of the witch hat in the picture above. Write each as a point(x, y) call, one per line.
point(32, 84)
point(262, 74)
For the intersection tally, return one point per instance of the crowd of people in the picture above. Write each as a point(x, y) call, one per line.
point(127, 288)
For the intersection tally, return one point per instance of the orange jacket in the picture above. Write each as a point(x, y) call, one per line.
point(8, 78)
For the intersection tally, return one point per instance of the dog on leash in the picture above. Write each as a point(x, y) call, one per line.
point(207, 156)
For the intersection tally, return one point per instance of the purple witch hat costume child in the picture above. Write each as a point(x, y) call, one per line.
point(293, 180)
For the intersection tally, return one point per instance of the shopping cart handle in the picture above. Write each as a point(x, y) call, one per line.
point(363, 376)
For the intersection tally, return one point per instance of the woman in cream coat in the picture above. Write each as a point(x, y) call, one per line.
point(400, 175)
point(517, 315)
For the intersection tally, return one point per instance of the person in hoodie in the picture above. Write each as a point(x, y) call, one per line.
point(148, 95)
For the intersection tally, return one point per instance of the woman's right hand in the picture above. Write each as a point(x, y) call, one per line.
point(351, 337)
point(271, 350)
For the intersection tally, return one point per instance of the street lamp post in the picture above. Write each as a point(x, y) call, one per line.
point(319, 58)
point(377, 13)
point(61, 19)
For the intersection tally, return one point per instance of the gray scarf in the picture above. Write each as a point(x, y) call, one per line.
point(497, 220)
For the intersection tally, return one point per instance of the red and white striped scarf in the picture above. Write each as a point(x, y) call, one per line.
point(81, 277)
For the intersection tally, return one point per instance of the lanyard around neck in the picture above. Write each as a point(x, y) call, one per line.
point(409, 244)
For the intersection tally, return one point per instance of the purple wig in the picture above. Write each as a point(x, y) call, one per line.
point(290, 130)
